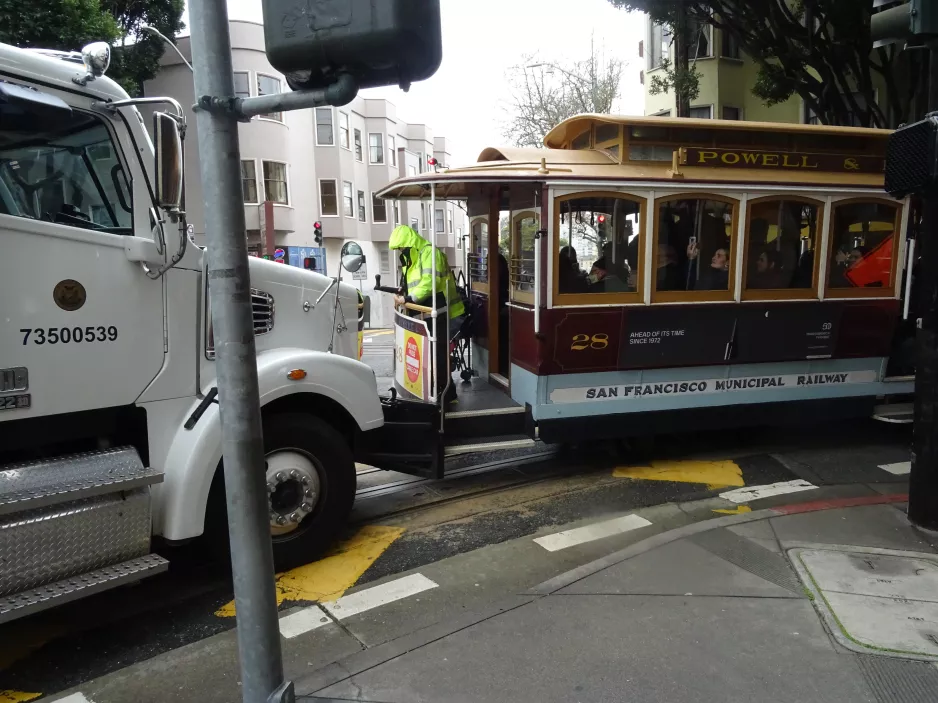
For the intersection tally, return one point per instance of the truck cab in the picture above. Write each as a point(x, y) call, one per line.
point(109, 423)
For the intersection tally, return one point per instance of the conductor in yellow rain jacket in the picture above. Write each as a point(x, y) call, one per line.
point(417, 263)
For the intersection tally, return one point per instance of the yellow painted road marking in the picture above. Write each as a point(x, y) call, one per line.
point(328, 578)
point(17, 696)
point(716, 474)
point(734, 511)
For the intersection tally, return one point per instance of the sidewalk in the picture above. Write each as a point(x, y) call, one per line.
point(823, 601)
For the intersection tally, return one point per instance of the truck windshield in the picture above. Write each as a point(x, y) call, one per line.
point(67, 173)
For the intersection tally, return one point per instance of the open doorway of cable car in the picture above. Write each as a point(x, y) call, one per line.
point(504, 222)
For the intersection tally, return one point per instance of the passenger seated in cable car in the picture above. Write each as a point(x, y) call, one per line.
point(716, 276)
point(609, 275)
point(768, 271)
point(845, 261)
point(570, 278)
point(669, 271)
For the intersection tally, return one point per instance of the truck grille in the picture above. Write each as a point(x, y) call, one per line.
point(262, 309)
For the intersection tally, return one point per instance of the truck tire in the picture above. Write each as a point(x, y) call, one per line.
point(310, 476)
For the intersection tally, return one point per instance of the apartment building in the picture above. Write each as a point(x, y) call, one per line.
point(324, 165)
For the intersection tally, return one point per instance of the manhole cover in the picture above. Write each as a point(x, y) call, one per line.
point(876, 601)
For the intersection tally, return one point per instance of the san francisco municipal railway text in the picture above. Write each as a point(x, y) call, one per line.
point(757, 384)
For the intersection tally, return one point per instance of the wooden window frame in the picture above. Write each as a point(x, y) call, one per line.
point(885, 291)
point(591, 299)
point(514, 244)
point(698, 296)
point(483, 222)
point(784, 293)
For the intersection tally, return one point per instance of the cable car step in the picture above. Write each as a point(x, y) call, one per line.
point(494, 422)
point(37, 484)
point(896, 413)
point(478, 446)
point(33, 600)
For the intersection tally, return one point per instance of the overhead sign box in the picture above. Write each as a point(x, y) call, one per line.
point(377, 42)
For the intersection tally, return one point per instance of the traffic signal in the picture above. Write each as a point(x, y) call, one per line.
point(317, 233)
point(309, 263)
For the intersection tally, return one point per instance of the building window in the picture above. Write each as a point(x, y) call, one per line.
point(327, 198)
point(704, 113)
point(379, 209)
point(384, 261)
point(660, 46)
point(695, 248)
point(730, 49)
point(459, 237)
point(413, 223)
point(781, 236)
point(397, 211)
point(411, 170)
point(375, 148)
point(347, 204)
point(249, 181)
point(242, 84)
point(275, 182)
point(420, 162)
point(358, 144)
point(324, 132)
point(732, 113)
point(361, 207)
point(392, 150)
point(449, 229)
point(343, 130)
point(424, 215)
point(268, 85)
point(700, 40)
point(438, 221)
point(853, 119)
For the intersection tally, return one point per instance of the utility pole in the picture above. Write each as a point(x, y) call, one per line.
point(912, 167)
point(252, 562)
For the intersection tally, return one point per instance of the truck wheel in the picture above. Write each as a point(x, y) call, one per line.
point(310, 478)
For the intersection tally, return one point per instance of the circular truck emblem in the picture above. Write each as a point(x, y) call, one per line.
point(69, 295)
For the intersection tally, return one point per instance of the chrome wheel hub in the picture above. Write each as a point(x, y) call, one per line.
point(292, 490)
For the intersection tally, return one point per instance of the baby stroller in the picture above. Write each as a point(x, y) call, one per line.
point(459, 345)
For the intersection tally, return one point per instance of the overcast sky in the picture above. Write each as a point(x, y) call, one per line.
point(482, 39)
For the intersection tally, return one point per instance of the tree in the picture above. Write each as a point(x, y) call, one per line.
point(819, 50)
point(545, 93)
point(68, 25)
point(137, 58)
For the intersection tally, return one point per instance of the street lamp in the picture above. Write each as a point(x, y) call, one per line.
point(157, 33)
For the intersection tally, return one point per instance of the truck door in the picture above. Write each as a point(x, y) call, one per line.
point(84, 323)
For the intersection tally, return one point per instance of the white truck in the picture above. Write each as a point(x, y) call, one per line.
point(109, 435)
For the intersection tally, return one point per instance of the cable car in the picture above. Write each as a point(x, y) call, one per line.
point(666, 274)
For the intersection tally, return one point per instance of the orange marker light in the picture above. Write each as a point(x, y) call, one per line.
point(296, 375)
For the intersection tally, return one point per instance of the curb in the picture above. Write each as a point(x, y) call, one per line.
point(570, 577)
point(356, 663)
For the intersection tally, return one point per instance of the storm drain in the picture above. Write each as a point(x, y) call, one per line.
point(875, 601)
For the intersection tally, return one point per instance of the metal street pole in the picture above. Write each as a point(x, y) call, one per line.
point(923, 479)
point(239, 401)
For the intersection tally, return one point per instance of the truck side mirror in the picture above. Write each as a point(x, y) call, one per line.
point(168, 161)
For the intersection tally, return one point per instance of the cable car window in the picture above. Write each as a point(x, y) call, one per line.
point(781, 237)
point(582, 141)
point(863, 242)
point(598, 248)
point(478, 254)
point(524, 225)
point(694, 248)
